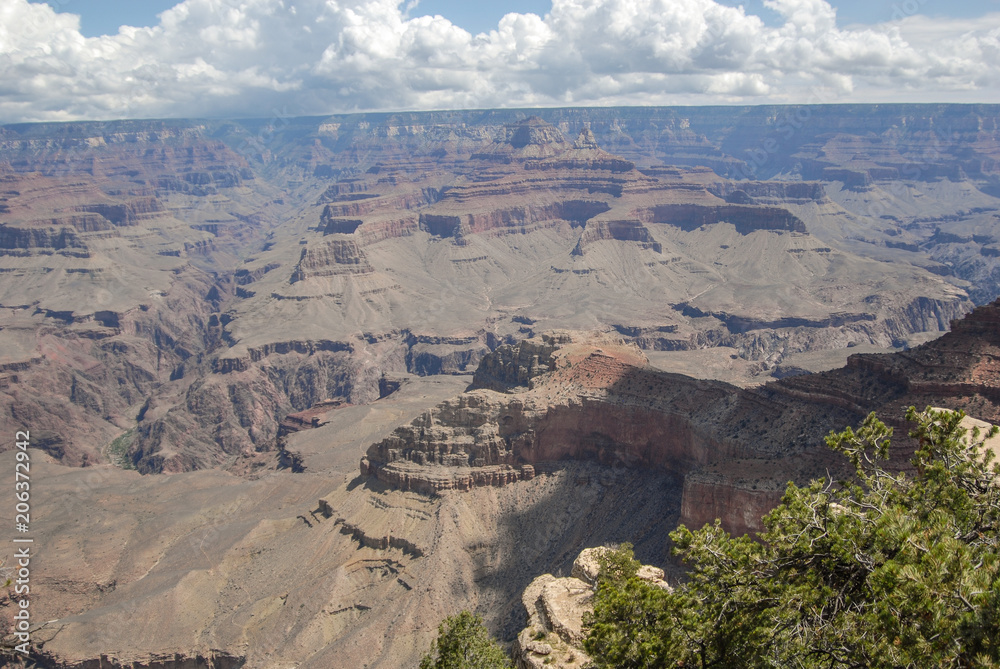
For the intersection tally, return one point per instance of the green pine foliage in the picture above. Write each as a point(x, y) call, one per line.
point(883, 570)
point(464, 643)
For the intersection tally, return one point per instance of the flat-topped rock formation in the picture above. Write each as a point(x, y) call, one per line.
point(571, 397)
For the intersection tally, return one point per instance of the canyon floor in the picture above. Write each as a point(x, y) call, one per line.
point(300, 388)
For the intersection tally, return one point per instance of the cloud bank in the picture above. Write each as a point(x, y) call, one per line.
point(243, 58)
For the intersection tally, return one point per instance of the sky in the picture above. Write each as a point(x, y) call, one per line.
point(66, 60)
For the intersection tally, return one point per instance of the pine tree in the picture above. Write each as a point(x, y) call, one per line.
point(882, 570)
point(464, 643)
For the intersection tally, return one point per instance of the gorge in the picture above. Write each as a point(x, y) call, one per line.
point(313, 384)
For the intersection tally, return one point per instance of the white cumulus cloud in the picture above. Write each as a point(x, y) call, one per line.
point(249, 57)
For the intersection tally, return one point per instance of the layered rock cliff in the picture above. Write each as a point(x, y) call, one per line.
point(593, 398)
point(565, 397)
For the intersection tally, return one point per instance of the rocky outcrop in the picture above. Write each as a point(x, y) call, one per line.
point(530, 138)
point(510, 220)
point(58, 239)
point(331, 258)
point(367, 232)
point(427, 357)
point(380, 230)
point(306, 420)
point(623, 231)
point(589, 398)
point(769, 192)
point(344, 187)
point(330, 225)
point(127, 213)
point(541, 146)
point(414, 476)
point(556, 608)
point(513, 366)
point(243, 277)
point(363, 204)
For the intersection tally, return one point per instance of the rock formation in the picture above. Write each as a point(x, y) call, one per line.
point(568, 397)
point(148, 314)
point(190, 284)
point(556, 607)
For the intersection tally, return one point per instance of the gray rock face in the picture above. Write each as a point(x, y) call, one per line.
point(556, 608)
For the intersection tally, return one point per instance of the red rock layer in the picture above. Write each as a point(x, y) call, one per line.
point(623, 231)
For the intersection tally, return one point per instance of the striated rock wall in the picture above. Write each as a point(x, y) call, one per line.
point(331, 258)
point(376, 231)
point(372, 202)
point(746, 218)
point(570, 397)
point(127, 213)
point(741, 508)
point(508, 220)
point(623, 231)
point(58, 239)
point(768, 192)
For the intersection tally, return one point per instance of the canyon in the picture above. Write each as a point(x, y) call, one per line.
point(159, 269)
point(575, 397)
point(313, 384)
point(332, 565)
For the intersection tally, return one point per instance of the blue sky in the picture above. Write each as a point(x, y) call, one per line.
point(67, 59)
